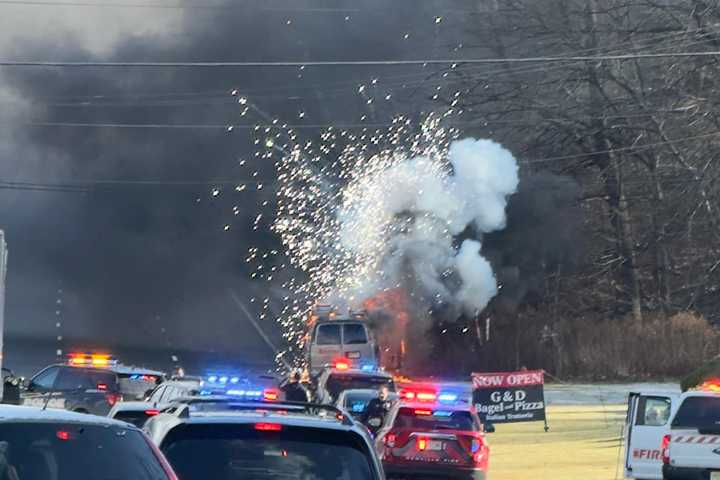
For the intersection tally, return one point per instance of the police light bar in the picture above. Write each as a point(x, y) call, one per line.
point(413, 395)
point(447, 397)
point(95, 360)
point(342, 365)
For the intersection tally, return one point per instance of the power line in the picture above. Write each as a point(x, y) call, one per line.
point(351, 63)
point(173, 6)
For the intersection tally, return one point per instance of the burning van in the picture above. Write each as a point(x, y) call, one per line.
point(333, 337)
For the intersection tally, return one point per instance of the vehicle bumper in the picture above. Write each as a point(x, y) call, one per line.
point(411, 471)
point(685, 473)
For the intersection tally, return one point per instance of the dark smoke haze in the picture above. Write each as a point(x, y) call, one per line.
point(141, 264)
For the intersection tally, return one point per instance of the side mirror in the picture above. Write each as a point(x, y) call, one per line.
point(489, 427)
point(27, 384)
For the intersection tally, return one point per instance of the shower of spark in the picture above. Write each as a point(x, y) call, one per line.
point(336, 236)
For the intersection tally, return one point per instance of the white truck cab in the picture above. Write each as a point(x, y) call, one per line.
point(692, 446)
point(647, 423)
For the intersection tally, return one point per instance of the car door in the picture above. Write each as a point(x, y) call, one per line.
point(647, 422)
point(38, 390)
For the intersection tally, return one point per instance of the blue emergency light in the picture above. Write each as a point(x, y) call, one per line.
point(447, 397)
point(368, 367)
point(442, 413)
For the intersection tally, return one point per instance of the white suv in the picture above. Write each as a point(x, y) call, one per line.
point(691, 451)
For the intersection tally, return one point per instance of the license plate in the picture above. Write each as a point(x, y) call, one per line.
point(353, 355)
point(714, 475)
point(439, 445)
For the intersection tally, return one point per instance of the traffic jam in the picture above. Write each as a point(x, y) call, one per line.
point(340, 418)
point(345, 417)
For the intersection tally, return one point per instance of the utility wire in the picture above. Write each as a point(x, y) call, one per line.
point(350, 63)
point(174, 6)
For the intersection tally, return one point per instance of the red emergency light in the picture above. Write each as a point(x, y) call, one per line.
point(342, 365)
point(270, 395)
point(152, 412)
point(423, 412)
point(418, 395)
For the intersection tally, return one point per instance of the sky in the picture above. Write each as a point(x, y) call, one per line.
point(124, 262)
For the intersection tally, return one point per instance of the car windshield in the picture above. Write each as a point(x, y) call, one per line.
point(698, 412)
point(357, 402)
point(338, 383)
point(240, 452)
point(328, 335)
point(34, 451)
point(354, 334)
point(427, 419)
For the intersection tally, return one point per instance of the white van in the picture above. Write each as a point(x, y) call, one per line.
point(647, 422)
point(342, 338)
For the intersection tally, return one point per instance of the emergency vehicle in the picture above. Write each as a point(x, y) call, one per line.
point(331, 336)
point(646, 423)
point(88, 383)
point(431, 432)
point(226, 438)
point(137, 412)
point(691, 449)
point(342, 375)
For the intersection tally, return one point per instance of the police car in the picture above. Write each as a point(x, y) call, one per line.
point(88, 383)
point(137, 412)
point(691, 449)
point(431, 432)
point(225, 438)
point(356, 401)
point(47, 444)
point(343, 375)
point(253, 388)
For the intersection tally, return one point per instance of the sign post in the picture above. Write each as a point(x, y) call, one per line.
point(510, 397)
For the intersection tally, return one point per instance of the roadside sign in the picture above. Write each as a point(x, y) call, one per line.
point(509, 397)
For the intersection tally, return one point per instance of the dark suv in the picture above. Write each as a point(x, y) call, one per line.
point(38, 444)
point(225, 440)
point(88, 388)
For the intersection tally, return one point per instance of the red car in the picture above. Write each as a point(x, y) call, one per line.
point(431, 439)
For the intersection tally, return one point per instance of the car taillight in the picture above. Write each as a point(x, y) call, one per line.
point(476, 450)
point(102, 386)
point(421, 444)
point(665, 449)
point(113, 398)
point(268, 427)
point(390, 440)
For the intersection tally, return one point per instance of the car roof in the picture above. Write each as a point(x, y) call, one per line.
point(117, 368)
point(132, 406)
point(455, 407)
point(337, 320)
point(700, 393)
point(356, 372)
point(16, 413)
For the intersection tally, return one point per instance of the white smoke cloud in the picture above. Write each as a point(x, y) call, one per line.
point(404, 218)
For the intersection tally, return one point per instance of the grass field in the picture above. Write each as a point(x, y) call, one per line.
point(583, 444)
